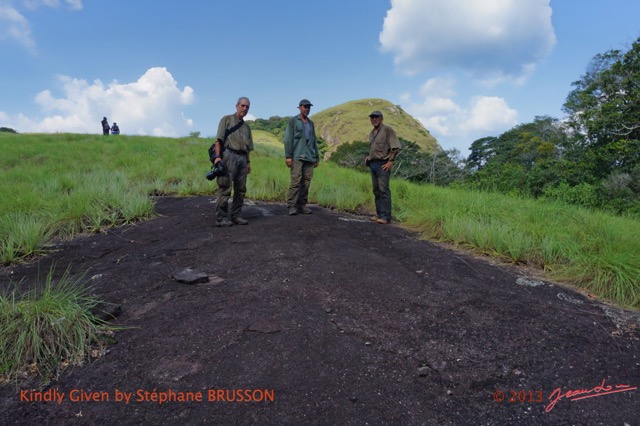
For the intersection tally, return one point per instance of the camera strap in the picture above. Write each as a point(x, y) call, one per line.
point(231, 130)
point(227, 132)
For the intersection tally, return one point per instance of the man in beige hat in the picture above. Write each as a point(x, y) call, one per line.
point(383, 148)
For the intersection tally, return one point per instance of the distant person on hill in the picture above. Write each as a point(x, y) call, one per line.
point(301, 156)
point(383, 148)
point(115, 130)
point(105, 126)
point(233, 144)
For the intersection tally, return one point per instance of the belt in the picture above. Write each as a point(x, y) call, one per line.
point(237, 152)
point(378, 161)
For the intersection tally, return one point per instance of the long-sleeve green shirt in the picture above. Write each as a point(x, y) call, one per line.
point(296, 145)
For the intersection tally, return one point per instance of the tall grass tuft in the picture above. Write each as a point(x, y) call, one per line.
point(48, 328)
point(28, 235)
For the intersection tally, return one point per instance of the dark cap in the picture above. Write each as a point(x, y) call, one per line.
point(375, 114)
point(305, 102)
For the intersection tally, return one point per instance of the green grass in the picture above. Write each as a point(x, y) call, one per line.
point(22, 234)
point(597, 252)
point(48, 328)
point(57, 186)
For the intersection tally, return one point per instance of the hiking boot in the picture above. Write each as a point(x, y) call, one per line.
point(382, 221)
point(240, 221)
point(293, 211)
point(374, 218)
point(305, 210)
point(224, 222)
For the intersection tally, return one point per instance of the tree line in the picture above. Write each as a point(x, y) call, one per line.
point(589, 158)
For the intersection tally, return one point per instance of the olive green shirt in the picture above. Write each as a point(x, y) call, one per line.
point(381, 142)
point(241, 139)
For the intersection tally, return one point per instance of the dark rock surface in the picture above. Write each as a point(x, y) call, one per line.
point(340, 320)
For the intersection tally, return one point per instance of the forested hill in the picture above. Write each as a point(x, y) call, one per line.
point(349, 122)
point(590, 157)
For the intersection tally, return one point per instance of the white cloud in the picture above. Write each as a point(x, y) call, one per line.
point(74, 4)
point(34, 4)
point(15, 27)
point(438, 86)
point(152, 105)
point(489, 114)
point(494, 40)
point(444, 117)
point(439, 115)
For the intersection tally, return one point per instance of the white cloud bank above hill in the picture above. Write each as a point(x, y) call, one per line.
point(487, 42)
point(441, 115)
point(494, 39)
point(149, 106)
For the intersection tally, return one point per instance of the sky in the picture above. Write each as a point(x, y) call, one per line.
point(465, 68)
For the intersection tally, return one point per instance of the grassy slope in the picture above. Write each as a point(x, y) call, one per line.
point(349, 122)
point(266, 144)
point(55, 186)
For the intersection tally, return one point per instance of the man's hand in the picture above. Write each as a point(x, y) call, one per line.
point(216, 160)
point(387, 166)
point(288, 161)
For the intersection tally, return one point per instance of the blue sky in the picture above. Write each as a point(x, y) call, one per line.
point(465, 68)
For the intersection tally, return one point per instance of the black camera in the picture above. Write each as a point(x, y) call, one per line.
point(216, 170)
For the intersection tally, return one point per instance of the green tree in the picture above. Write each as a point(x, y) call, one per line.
point(440, 168)
point(275, 125)
point(447, 167)
point(604, 114)
point(523, 160)
point(481, 151)
point(323, 148)
point(351, 155)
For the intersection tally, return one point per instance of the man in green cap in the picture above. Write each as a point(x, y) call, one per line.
point(383, 148)
point(301, 156)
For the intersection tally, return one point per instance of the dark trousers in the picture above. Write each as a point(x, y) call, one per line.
point(381, 189)
point(301, 175)
point(236, 166)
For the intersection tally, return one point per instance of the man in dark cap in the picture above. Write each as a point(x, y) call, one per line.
point(301, 156)
point(383, 148)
